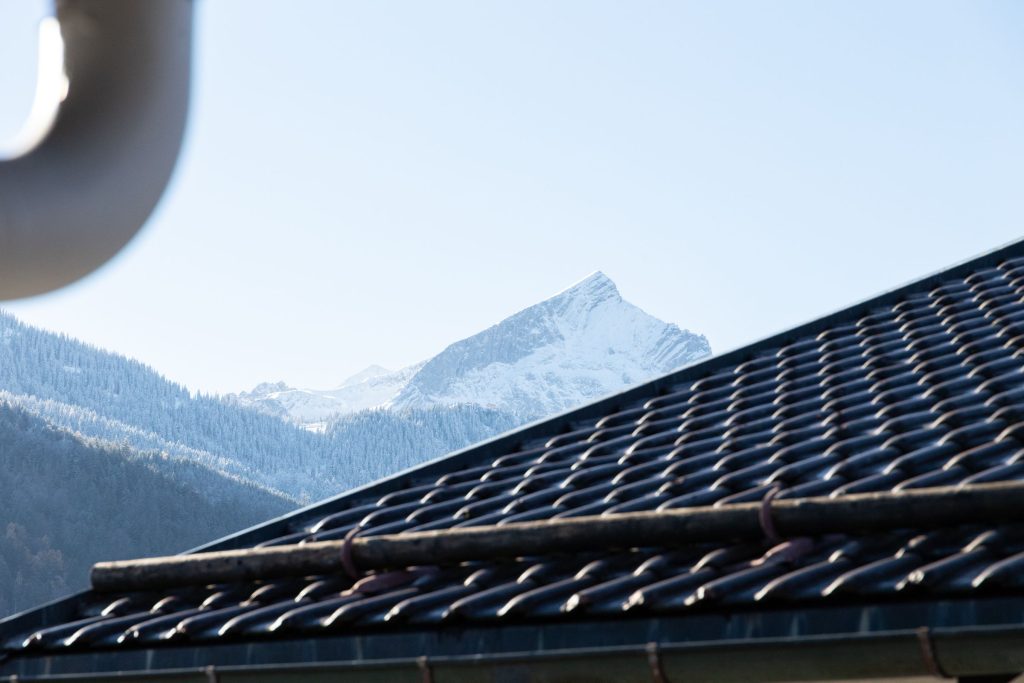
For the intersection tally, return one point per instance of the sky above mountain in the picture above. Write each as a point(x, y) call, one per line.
point(364, 182)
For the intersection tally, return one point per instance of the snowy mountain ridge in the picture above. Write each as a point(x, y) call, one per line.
point(372, 388)
point(582, 343)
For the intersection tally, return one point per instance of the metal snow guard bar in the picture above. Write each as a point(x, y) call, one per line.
point(771, 519)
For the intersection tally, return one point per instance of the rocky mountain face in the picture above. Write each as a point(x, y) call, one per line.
point(578, 345)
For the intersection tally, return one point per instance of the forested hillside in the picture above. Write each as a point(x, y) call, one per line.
point(69, 501)
point(107, 396)
point(390, 441)
point(67, 504)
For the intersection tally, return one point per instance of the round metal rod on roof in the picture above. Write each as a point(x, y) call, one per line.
point(853, 514)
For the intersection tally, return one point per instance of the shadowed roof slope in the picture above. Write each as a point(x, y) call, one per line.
point(921, 387)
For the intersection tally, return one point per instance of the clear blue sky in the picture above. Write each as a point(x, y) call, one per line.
point(365, 182)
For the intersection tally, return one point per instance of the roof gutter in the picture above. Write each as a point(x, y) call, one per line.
point(942, 653)
point(101, 150)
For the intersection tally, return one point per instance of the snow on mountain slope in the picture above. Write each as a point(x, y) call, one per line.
point(370, 388)
point(370, 373)
point(580, 344)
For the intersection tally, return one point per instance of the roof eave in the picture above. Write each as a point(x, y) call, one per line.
point(967, 637)
point(940, 653)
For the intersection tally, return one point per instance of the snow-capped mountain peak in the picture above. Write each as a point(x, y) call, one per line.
point(584, 342)
point(595, 287)
point(581, 343)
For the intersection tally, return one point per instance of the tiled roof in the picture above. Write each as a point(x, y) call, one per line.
point(922, 387)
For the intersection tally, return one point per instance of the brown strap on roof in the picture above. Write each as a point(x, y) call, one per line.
point(764, 516)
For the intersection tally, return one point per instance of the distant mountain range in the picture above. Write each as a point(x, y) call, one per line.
point(145, 466)
point(580, 344)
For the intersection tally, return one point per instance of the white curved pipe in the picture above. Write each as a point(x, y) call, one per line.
point(88, 178)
